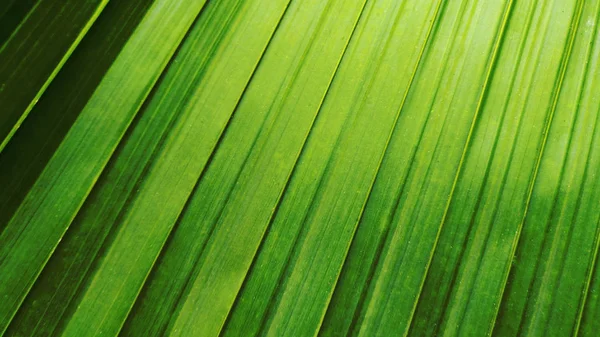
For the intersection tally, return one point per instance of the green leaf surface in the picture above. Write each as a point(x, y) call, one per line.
point(558, 242)
point(32, 146)
point(493, 190)
point(303, 75)
point(299, 168)
point(589, 323)
point(38, 225)
point(416, 178)
point(190, 73)
point(342, 124)
point(224, 33)
point(34, 53)
point(501, 203)
point(12, 13)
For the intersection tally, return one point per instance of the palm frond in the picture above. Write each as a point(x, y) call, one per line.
point(299, 168)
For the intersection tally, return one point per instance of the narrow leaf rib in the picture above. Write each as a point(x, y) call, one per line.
point(423, 124)
point(242, 215)
point(466, 280)
point(589, 324)
point(558, 236)
point(33, 144)
point(306, 283)
point(12, 14)
point(299, 168)
point(67, 268)
point(48, 209)
point(190, 109)
point(378, 30)
point(467, 196)
point(35, 52)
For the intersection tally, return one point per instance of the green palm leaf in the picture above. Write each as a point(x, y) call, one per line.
point(299, 168)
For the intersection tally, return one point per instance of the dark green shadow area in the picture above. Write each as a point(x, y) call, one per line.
point(32, 146)
point(12, 12)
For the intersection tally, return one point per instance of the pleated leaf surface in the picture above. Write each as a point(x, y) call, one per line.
point(299, 168)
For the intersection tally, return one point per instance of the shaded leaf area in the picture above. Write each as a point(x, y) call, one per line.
point(12, 13)
point(24, 158)
point(35, 51)
point(299, 168)
point(65, 182)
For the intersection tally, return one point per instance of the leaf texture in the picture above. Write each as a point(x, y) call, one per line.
point(299, 168)
point(35, 51)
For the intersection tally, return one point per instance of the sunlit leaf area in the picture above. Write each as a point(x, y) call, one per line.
point(299, 168)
